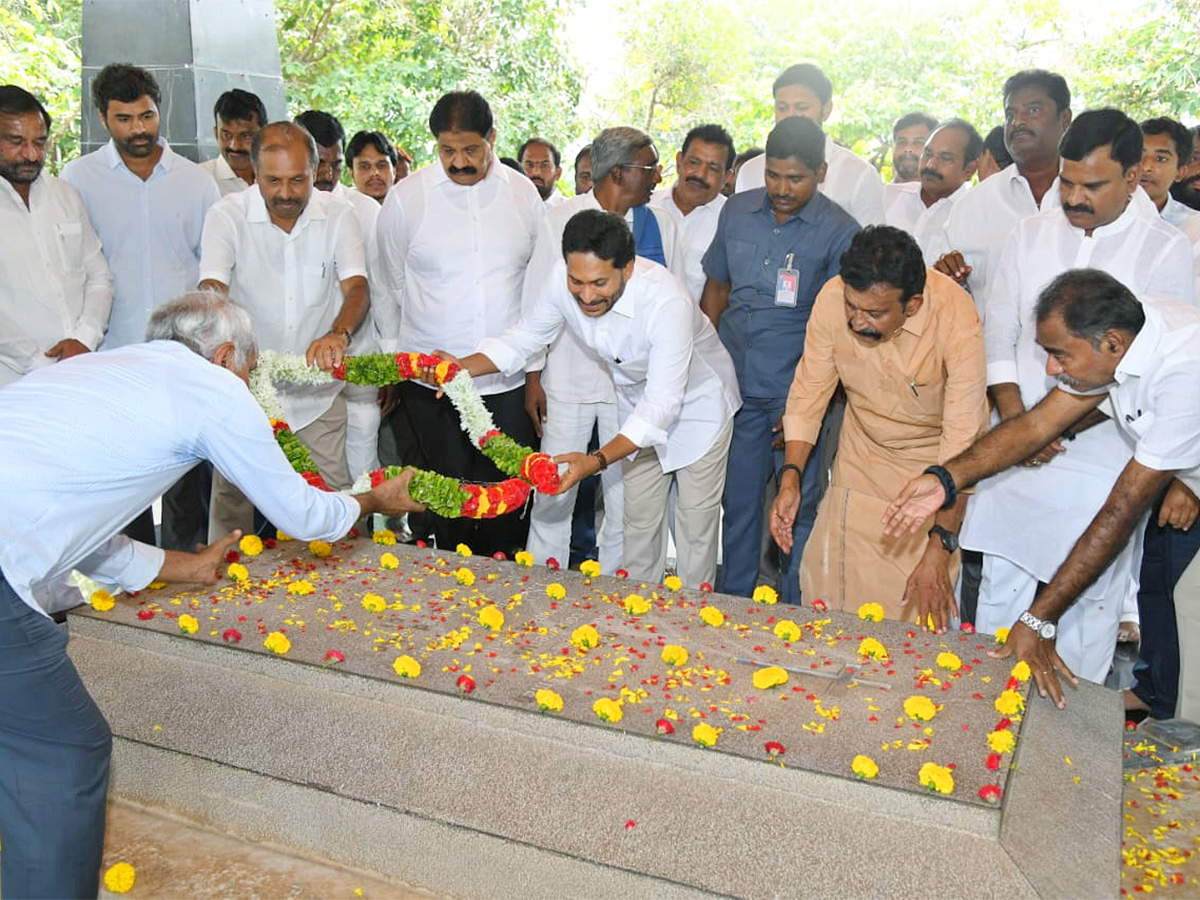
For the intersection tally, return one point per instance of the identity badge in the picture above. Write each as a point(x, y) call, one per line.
point(787, 283)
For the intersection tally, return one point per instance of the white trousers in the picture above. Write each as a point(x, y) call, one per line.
point(1187, 620)
point(568, 428)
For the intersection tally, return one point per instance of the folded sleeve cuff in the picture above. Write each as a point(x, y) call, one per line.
point(505, 358)
point(798, 428)
point(642, 433)
point(1002, 372)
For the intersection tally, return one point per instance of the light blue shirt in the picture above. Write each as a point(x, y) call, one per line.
point(150, 231)
point(90, 442)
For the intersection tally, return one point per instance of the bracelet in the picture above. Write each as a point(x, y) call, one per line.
point(784, 468)
point(948, 485)
point(603, 460)
point(342, 330)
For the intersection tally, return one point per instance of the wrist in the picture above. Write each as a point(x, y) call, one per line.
point(789, 474)
point(601, 460)
point(942, 474)
point(341, 331)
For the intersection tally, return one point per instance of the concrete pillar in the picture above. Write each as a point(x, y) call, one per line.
point(196, 49)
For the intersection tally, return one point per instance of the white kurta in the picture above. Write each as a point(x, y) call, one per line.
point(904, 209)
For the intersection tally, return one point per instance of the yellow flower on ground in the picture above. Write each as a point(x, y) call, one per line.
point(871, 612)
point(548, 700)
point(555, 591)
point(585, 637)
point(523, 558)
point(373, 603)
point(764, 593)
point(389, 561)
point(864, 767)
point(608, 709)
point(589, 568)
point(936, 778)
point(949, 661)
point(1001, 635)
point(238, 572)
point(102, 601)
point(188, 624)
point(673, 583)
point(119, 878)
point(1010, 703)
point(463, 575)
point(300, 588)
point(462, 550)
point(1002, 741)
point(705, 735)
point(251, 544)
point(710, 615)
point(870, 648)
point(282, 536)
point(384, 537)
point(787, 630)
point(920, 708)
point(320, 548)
point(636, 605)
point(406, 667)
point(1021, 671)
point(675, 655)
point(769, 677)
point(490, 617)
point(277, 642)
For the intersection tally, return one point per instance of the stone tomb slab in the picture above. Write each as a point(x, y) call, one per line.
point(213, 724)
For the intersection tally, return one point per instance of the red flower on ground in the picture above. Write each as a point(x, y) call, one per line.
point(269, 543)
point(422, 544)
point(622, 573)
point(664, 726)
point(774, 748)
point(335, 656)
point(1130, 725)
point(1003, 725)
point(630, 825)
point(993, 761)
point(820, 605)
point(552, 563)
point(465, 683)
point(966, 628)
point(231, 636)
point(499, 554)
point(144, 614)
point(990, 793)
point(232, 556)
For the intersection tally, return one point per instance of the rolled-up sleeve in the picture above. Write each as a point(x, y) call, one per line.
point(670, 334)
point(125, 562)
point(218, 246)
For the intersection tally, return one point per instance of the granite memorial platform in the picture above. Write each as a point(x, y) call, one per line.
point(458, 777)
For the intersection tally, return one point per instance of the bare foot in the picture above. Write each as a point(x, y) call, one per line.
point(1133, 701)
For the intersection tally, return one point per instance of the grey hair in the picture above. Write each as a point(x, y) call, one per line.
point(615, 147)
point(202, 321)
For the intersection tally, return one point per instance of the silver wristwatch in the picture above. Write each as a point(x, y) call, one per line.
point(1043, 629)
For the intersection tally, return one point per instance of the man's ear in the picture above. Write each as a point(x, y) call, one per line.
point(224, 355)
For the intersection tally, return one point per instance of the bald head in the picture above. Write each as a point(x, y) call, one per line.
point(284, 136)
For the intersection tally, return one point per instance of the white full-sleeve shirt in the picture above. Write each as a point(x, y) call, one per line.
point(693, 234)
point(675, 384)
point(89, 443)
point(54, 282)
point(290, 282)
point(904, 209)
point(450, 260)
point(150, 231)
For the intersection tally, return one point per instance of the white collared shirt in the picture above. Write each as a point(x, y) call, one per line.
point(905, 209)
point(75, 478)
point(850, 182)
point(449, 262)
point(290, 282)
point(1186, 220)
point(693, 234)
point(54, 282)
point(556, 197)
point(365, 207)
point(675, 384)
point(228, 181)
point(980, 222)
point(150, 231)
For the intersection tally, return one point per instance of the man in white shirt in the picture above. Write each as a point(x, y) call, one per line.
point(1024, 519)
point(238, 117)
point(71, 467)
point(1037, 110)
point(55, 287)
point(909, 135)
point(147, 205)
point(948, 162)
point(1187, 189)
point(372, 162)
point(542, 164)
point(675, 386)
point(295, 258)
point(453, 243)
point(1167, 145)
point(850, 182)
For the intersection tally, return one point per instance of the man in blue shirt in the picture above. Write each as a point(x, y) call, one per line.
point(774, 248)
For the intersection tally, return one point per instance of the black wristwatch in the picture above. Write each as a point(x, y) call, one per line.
point(948, 538)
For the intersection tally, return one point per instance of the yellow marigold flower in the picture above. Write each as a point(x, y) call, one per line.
point(548, 700)
point(787, 630)
point(119, 878)
point(710, 615)
point(1001, 635)
point(407, 667)
point(871, 612)
point(251, 544)
point(282, 536)
point(389, 561)
point(636, 605)
point(462, 550)
point(864, 767)
point(764, 593)
point(555, 591)
point(463, 575)
point(769, 677)
point(589, 568)
point(238, 572)
point(384, 537)
point(870, 648)
point(1021, 671)
point(373, 603)
point(585, 637)
point(1002, 741)
point(673, 583)
point(608, 709)
point(301, 587)
point(156, 585)
point(188, 624)
point(1010, 703)
point(675, 655)
point(524, 558)
point(277, 642)
point(705, 735)
point(949, 661)
point(920, 708)
point(492, 618)
point(936, 778)
point(319, 548)
point(102, 601)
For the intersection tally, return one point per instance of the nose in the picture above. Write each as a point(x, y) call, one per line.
point(1053, 367)
point(859, 321)
point(1072, 195)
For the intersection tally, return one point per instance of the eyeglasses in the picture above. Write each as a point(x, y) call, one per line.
point(633, 166)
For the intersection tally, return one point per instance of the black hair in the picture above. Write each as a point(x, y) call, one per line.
point(881, 254)
point(461, 111)
point(797, 137)
point(124, 83)
point(512, 164)
point(712, 134)
point(807, 75)
point(1091, 302)
point(237, 106)
point(325, 129)
point(974, 147)
point(586, 151)
point(746, 155)
point(601, 233)
point(994, 144)
point(1051, 82)
point(16, 101)
point(376, 139)
point(545, 143)
point(914, 118)
point(1178, 132)
point(1096, 128)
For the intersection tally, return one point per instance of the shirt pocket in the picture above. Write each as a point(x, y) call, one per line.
point(70, 245)
point(745, 262)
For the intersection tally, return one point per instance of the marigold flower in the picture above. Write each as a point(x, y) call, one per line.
point(864, 767)
point(282, 536)
point(555, 591)
point(990, 793)
point(673, 583)
point(523, 558)
point(675, 655)
point(491, 617)
point(774, 749)
point(373, 603)
point(277, 642)
point(585, 637)
point(608, 709)
point(664, 726)
point(769, 677)
point(710, 615)
point(300, 587)
point(465, 683)
point(820, 605)
point(119, 878)
point(1021, 671)
point(548, 700)
point(1002, 741)
point(1001, 635)
point(406, 667)
point(765, 594)
point(102, 601)
point(705, 735)
point(920, 708)
point(238, 572)
point(231, 636)
point(589, 568)
point(936, 778)
point(787, 630)
point(464, 576)
point(636, 605)
point(462, 550)
point(333, 657)
point(871, 612)
point(949, 661)
point(320, 548)
point(869, 648)
point(250, 544)
point(1010, 703)
point(188, 624)
point(389, 561)
point(384, 537)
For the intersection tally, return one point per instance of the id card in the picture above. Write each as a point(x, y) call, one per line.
point(787, 284)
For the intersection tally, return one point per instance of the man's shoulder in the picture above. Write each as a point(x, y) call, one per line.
point(558, 216)
point(746, 203)
point(86, 164)
point(847, 160)
point(948, 297)
point(830, 215)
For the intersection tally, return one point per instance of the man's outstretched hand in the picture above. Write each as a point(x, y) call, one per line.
point(205, 566)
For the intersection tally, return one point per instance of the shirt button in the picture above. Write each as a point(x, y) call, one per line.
point(775, 231)
point(766, 260)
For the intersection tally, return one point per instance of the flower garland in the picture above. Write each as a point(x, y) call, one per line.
point(445, 496)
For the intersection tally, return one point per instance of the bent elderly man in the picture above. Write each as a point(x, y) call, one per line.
point(906, 344)
point(75, 479)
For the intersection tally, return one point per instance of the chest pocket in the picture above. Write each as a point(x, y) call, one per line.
point(1138, 425)
point(70, 245)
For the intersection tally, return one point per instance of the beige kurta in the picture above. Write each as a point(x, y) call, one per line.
point(914, 400)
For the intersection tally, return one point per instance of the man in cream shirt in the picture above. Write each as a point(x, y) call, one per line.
point(238, 117)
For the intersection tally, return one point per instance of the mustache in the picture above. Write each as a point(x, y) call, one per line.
point(1070, 382)
point(465, 170)
point(699, 182)
point(1017, 131)
point(866, 332)
point(931, 173)
point(1078, 208)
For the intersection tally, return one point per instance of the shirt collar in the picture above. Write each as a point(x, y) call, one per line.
point(438, 174)
point(915, 324)
point(808, 212)
point(1143, 351)
point(256, 208)
point(113, 156)
point(34, 190)
point(1134, 210)
point(628, 304)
